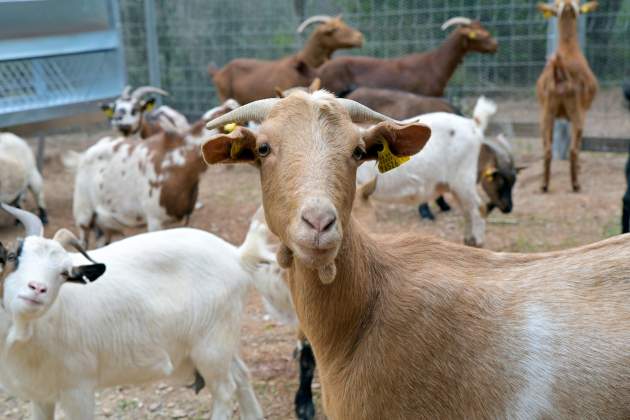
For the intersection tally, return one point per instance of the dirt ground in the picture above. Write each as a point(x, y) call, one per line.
point(557, 220)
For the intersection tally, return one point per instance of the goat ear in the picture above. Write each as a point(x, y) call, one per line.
point(402, 140)
point(237, 147)
point(547, 10)
point(108, 109)
point(90, 271)
point(589, 7)
point(148, 105)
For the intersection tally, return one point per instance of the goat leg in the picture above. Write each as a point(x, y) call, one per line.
point(304, 407)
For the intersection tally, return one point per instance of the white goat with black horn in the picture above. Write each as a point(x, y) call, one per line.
point(61, 342)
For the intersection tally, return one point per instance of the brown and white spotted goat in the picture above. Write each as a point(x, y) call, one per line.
point(121, 182)
point(408, 326)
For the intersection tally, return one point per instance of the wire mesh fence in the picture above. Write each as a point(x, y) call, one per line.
point(194, 33)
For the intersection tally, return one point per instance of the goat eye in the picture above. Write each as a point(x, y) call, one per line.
point(358, 153)
point(264, 150)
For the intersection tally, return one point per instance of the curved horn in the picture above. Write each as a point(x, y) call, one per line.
point(126, 94)
point(361, 113)
point(143, 90)
point(311, 20)
point(459, 20)
point(32, 224)
point(253, 111)
point(67, 239)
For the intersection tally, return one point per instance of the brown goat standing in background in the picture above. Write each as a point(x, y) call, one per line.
point(567, 86)
point(422, 73)
point(246, 79)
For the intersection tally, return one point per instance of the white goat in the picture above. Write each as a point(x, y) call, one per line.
point(18, 172)
point(447, 163)
point(131, 114)
point(169, 305)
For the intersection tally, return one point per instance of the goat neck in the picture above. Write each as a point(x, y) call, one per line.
point(314, 52)
point(444, 61)
point(567, 31)
point(337, 321)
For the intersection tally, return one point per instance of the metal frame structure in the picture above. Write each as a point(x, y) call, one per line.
point(58, 58)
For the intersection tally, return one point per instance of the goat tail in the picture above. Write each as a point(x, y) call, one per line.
point(484, 109)
point(254, 250)
point(212, 69)
point(71, 160)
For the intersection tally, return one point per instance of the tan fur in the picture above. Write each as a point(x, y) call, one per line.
point(413, 327)
point(565, 89)
point(247, 80)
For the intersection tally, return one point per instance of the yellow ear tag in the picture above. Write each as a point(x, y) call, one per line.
point(489, 174)
point(149, 107)
point(387, 160)
point(108, 112)
point(472, 34)
point(235, 149)
point(228, 128)
point(585, 8)
point(547, 14)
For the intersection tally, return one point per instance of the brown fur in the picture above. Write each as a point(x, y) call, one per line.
point(423, 74)
point(399, 105)
point(415, 327)
point(247, 80)
point(565, 89)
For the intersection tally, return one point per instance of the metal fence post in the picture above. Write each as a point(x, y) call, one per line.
point(153, 51)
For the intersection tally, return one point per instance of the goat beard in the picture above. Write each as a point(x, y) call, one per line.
point(326, 274)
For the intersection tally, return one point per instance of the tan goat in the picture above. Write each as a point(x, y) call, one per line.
point(247, 80)
point(408, 326)
point(567, 86)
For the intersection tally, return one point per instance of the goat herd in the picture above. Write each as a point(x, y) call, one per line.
point(402, 326)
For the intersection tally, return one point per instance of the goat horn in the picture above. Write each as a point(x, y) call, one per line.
point(67, 238)
point(459, 20)
point(361, 113)
point(311, 20)
point(126, 94)
point(253, 111)
point(143, 90)
point(32, 224)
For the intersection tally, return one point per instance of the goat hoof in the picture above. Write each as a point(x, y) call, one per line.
point(544, 188)
point(442, 204)
point(425, 212)
point(576, 188)
point(43, 216)
point(305, 411)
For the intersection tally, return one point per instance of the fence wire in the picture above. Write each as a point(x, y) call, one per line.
point(194, 33)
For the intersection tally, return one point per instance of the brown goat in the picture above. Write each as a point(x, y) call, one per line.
point(398, 104)
point(407, 326)
point(247, 80)
point(567, 86)
point(424, 73)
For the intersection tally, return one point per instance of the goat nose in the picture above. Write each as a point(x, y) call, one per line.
point(319, 219)
point(38, 287)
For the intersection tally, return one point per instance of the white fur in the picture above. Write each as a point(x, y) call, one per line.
point(170, 302)
point(171, 120)
point(449, 160)
point(117, 187)
point(18, 171)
